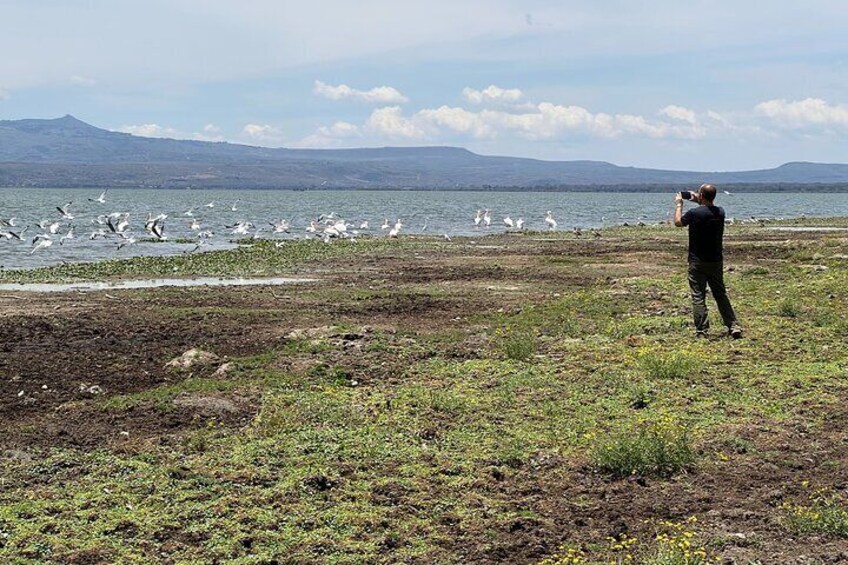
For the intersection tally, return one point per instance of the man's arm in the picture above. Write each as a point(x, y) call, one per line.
point(678, 210)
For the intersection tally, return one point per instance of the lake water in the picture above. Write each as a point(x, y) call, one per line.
point(449, 213)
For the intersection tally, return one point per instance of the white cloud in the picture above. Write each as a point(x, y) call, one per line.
point(679, 113)
point(261, 134)
point(492, 95)
point(78, 80)
point(800, 114)
point(389, 122)
point(331, 136)
point(544, 121)
point(151, 130)
point(458, 120)
point(210, 132)
point(377, 95)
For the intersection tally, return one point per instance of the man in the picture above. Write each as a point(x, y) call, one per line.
point(706, 231)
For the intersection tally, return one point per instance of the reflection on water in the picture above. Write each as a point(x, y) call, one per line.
point(450, 213)
point(149, 283)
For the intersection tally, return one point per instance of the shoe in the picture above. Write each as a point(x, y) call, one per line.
point(700, 335)
point(736, 332)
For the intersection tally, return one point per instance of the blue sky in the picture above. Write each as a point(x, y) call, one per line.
point(688, 85)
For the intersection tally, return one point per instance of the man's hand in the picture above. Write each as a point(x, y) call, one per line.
point(678, 209)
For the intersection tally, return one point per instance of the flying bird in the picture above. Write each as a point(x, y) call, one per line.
point(100, 199)
point(65, 211)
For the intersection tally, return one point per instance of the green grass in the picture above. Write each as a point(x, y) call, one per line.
point(825, 513)
point(401, 467)
point(668, 364)
point(654, 448)
point(258, 258)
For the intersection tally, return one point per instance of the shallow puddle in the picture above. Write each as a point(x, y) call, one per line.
point(148, 283)
point(807, 228)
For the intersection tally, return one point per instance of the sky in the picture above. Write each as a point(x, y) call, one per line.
point(698, 85)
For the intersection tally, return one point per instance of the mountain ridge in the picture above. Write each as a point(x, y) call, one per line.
point(67, 151)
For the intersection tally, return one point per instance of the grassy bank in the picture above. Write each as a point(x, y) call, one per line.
point(525, 399)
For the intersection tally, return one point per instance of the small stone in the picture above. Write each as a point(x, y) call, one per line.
point(224, 370)
point(191, 358)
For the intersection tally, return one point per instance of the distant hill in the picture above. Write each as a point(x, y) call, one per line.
point(67, 152)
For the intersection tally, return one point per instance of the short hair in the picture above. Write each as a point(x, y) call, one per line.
point(708, 192)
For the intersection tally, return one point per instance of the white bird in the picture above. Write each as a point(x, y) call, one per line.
point(363, 225)
point(549, 219)
point(424, 227)
point(117, 222)
point(52, 227)
point(385, 225)
point(234, 208)
point(194, 225)
point(487, 219)
point(65, 211)
point(153, 220)
point(727, 193)
point(508, 222)
point(478, 218)
point(100, 199)
point(313, 227)
point(241, 228)
point(127, 241)
point(211, 204)
point(396, 229)
point(280, 226)
point(157, 229)
point(97, 233)
point(519, 223)
point(189, 213)
point(41, 241)
point(69, 235)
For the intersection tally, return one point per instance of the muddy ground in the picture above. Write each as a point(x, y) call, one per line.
point(55, 347)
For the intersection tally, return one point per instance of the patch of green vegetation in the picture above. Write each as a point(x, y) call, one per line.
point(825, 513)
point(673, 543)
point(663, 364)
point(789, 308)
point(653, 448)
point(518, 345)
point(456, 421)
point(259, 258)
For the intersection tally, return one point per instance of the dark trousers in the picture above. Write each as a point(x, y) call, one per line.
point(712, 274)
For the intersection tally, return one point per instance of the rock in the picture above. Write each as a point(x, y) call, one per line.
point(224, 370)
point(192, 358)
point(86, 388)
point(321, 332)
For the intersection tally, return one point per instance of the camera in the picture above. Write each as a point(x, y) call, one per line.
point(686, 195)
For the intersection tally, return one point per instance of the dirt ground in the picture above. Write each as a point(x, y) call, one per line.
point(61, 354)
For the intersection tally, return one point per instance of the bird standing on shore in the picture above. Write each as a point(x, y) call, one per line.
point(396, 229)
point(549, 219)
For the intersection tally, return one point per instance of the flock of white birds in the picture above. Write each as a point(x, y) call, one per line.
point(118, 227)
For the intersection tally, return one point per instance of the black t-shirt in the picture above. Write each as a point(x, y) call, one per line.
point(706, 229)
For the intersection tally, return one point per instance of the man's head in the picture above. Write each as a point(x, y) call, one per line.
point(707, 193)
